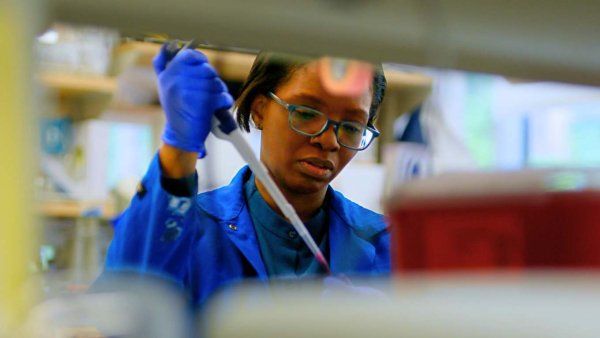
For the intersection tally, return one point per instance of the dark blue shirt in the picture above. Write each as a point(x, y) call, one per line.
point(284, 252)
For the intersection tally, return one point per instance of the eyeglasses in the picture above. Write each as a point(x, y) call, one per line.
point(310, 122)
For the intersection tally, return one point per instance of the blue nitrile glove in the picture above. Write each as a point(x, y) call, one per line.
point(190, 91)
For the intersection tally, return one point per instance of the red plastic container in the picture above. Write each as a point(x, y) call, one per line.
point(492, 221)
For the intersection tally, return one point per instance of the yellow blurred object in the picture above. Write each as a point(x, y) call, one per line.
point(16, 216)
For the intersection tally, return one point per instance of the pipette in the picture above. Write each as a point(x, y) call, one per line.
point(225, 128)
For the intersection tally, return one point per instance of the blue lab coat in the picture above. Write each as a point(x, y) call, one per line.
point(208, 242)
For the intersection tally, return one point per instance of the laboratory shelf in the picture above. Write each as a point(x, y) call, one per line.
point(74, 84)
point(232, 66)
point(66, 208)
point(235, 66)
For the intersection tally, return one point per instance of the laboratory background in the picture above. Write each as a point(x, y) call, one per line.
point(487, 168)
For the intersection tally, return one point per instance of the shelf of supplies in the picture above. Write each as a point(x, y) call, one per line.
point(75, 208)
point(231, 65)
point(73, 84)
point(235, 66)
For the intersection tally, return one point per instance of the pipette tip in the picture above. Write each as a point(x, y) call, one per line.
point(321, 259)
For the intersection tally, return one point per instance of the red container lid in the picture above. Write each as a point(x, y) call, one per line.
point(542, 218)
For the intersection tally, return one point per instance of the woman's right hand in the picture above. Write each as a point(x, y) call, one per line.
point(190, 91)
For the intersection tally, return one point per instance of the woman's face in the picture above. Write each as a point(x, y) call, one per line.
point(298, 163)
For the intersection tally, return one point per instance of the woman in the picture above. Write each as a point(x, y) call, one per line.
point(206, 241)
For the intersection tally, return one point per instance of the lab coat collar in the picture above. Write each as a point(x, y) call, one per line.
point(350, 227)
point(228, 205)
point(241, 232)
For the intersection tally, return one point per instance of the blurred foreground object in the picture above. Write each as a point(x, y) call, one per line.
point(486, 220)
point(343, 77)
point(544, 40)
point(460, 305)
point(18, 21)
point(120, 305)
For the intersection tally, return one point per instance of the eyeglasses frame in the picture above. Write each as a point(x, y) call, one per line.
point(336, 124)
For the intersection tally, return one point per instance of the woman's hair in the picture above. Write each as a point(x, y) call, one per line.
point(271, 70)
